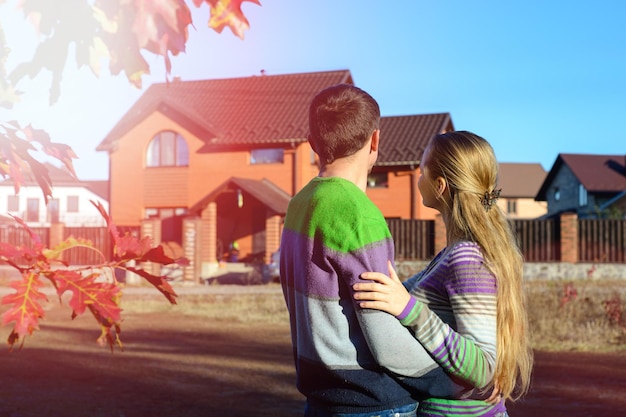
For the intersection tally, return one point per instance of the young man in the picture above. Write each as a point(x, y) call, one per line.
point(349, 361)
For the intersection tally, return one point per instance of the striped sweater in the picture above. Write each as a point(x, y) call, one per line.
point(455, 320)
point(348, 359)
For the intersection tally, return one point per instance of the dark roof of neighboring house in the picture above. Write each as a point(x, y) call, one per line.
point(61, 177)
point(98, 187)
point(58, 176)
point(520, 180)
point(234, 111)
point(263, 190)
point(404, 138)
point(597, 173)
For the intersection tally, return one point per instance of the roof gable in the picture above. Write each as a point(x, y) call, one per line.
point(597, 173)
point(404, 138)
point(234, 111)
point(263, 190)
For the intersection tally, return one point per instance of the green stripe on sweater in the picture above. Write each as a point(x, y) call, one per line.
point(323, 201)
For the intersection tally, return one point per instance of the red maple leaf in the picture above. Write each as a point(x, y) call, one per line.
point(26, 309)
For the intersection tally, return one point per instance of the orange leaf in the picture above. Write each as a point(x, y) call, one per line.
point(228, 13)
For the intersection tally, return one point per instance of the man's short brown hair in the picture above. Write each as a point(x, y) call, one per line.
point(342, 118)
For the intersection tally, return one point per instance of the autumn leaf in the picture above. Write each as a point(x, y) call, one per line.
point(8, 95)
point(102, 299)
point(34, 237)
point(60, 151)
point(26, 309)
point(130, 248)
point(56, 252)
point(89, 289)
point(16, 158)
point(227, 13)
point(159, 282)
point(87, 292)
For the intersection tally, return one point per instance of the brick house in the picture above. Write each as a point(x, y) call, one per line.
point(228, 154)
point(520, 183)
point(592, 186)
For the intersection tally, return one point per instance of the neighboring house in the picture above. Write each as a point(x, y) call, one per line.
point(520, 183)
point(590, 185)
point(70, 203)
point(233, 151)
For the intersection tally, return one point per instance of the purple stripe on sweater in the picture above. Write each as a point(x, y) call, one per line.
point(317, 275)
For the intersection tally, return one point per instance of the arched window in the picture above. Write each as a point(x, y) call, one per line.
point(167, 149)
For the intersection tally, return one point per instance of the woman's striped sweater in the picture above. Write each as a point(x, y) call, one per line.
point(455, 320)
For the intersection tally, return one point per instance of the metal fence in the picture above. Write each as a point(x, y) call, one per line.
point(602, 240)
point(413, 239)
point(599, 240)
point(539, 240)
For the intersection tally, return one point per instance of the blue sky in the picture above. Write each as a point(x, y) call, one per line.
point(535, 78)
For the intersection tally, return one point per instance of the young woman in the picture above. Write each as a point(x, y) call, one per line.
point(467, 307)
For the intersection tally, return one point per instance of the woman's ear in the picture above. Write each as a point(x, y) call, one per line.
point(442, 184)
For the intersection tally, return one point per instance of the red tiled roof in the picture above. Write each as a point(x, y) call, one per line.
point(404, 138)
point(597, 173)
point(234, 111)
point(520, 180)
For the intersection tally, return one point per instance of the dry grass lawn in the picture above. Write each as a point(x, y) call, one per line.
point(226, 350)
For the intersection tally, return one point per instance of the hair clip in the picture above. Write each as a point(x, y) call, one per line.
point(490, 198)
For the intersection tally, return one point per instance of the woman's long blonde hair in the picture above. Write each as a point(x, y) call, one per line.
point(468, 163)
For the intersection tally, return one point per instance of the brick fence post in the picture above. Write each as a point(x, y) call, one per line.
point(57, 235)
point(273, 230)
point(569, 237)
point(440, 233)
point(152, 228)
point(191, 237)
point(207, 242)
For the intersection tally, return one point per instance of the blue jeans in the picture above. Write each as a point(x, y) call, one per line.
point(403, 411)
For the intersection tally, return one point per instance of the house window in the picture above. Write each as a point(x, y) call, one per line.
point(378, 180)
point(72, 204)
point(557, 194)
point(13, 203)
point(267, 156)
point(167, 149)
point(511, 206)
point(582, 195)
point(163, 212)
point(32, 210)
point(53, 210)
